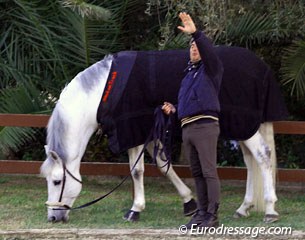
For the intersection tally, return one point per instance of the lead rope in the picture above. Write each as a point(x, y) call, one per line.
point(117, 186)
point(163, 137)
point(158, 126)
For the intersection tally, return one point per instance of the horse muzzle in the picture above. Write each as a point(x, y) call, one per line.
point(58, 218)
point(57, 212)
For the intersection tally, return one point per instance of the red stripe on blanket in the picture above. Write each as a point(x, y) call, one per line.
point(109, 86)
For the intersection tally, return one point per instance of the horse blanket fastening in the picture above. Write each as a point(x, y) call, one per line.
point(139, 81)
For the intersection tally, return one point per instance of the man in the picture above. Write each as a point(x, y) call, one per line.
point(198, 111)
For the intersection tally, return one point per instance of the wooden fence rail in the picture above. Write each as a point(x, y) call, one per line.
point(122, 169)
point(41, 120)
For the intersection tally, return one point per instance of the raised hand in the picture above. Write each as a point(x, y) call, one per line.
point(188, 24)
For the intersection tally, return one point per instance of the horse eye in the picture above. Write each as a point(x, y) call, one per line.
point(56, 182)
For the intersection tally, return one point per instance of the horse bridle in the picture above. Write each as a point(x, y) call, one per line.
point(55, 205)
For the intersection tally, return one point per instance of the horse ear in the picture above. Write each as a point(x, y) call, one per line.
point(54, 156)
point(46, 149)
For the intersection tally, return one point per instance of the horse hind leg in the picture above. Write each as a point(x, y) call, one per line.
point(262, 154)
point(247, 205)
point(189, 204)
point(137, 174)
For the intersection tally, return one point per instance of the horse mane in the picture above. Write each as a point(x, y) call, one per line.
point(56, 131)
point(56, 128)
point(91, 76)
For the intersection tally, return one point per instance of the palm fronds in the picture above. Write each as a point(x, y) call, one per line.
point(28, 49)
point(293, 68)
point(25, 98)
point(43, 45)
point(249, 29)
point(87, 10)
point(255, 28)
point(12, 138)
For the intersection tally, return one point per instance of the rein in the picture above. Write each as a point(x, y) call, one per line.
point(160, 131)
point(65, 170)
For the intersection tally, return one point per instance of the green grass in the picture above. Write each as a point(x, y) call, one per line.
point(22, 205)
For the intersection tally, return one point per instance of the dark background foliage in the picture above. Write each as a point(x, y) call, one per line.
point(44, 44)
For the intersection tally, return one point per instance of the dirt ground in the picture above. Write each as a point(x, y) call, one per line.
point(123, 234)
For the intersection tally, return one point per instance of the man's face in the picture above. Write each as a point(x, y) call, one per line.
point(194, 53)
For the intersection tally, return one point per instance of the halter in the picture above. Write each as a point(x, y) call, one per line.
point(63, 206)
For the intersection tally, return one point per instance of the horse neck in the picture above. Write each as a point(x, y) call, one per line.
point(83, 94)
point(76, 110)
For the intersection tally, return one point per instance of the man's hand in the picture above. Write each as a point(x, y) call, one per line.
point(188, 24)
point(168, 108)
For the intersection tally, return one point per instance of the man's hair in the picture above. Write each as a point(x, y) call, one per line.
point(191, 41)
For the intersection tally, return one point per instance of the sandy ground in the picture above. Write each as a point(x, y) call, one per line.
point(123, 234)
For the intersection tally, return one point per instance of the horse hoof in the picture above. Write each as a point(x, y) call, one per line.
point(247, 213)
point(190, 207)
point(238, 215)
point(132, 216)
point(270, 218)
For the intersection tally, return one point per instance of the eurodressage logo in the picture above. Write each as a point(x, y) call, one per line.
point(252, 232)
point(109, 87)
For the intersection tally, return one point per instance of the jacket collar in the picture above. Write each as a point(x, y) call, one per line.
point(193, 65)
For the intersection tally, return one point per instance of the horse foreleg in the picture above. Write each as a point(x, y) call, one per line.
point(243, 210)
point(262, 155)
point(138, 184)
point(189, 204)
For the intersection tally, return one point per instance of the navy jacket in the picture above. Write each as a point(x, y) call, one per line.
point(199, 89)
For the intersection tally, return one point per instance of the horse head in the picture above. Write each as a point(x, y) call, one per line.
point(72, 123)
point(64, 185)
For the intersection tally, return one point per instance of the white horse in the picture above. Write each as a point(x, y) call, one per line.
point(73, 122)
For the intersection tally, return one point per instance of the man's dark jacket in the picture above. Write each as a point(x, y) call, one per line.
point(200, 88)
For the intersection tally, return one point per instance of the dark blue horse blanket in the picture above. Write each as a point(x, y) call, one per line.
point(140, 81)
